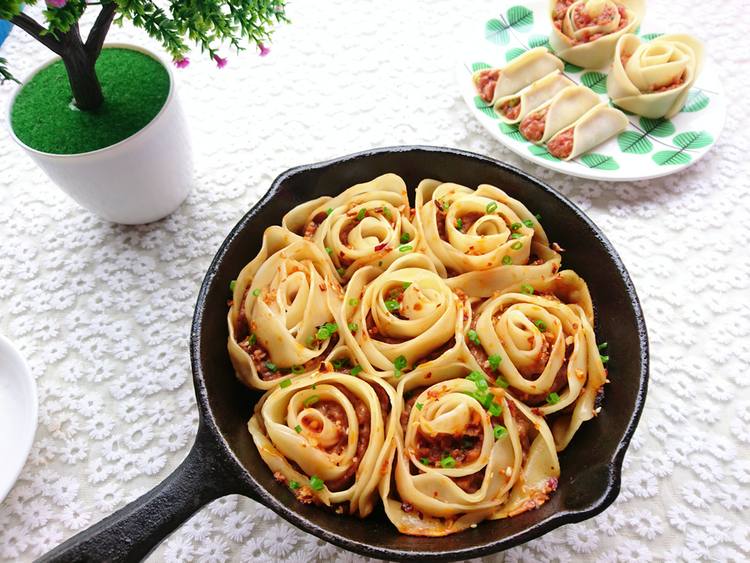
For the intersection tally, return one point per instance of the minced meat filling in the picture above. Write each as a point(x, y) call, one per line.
point(486, 83)
point(562, 145)
point(510, 109)
point(532, 128)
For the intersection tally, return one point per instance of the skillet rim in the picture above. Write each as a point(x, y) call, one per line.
point(254, 490)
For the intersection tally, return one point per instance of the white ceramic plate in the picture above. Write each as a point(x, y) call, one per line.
point(648, 148)
point(18, 414)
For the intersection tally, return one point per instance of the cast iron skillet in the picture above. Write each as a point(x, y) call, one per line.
point(224, 459)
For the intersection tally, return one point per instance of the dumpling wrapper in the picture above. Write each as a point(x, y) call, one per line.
point(599, 52)
point(534, 64)
point(656, 63)
point(595, 127)
point(564, 109)
point(532, 96)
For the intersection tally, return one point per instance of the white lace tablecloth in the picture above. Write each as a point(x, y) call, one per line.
point(102, 312)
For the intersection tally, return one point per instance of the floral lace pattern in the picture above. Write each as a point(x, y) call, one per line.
point(103, 312)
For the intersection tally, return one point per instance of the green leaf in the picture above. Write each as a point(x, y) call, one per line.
point(487, 110)
point(496, 32)
point(634, 143)
point(693, 140)
point(597, 81)
point(572, 69)
point(637, 30)
point(511, 54)
point(626, 112)
point(657, 127)
point(696, 101)
point(479, 66)
point(542, 152)
point(651, 36)
point(512, 132)
point(521, 18)
point(600, 162)
point(667, 158)
point(539, 40)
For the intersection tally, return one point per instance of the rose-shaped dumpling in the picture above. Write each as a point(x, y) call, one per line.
point(483, 234)
point(327, 436)
point(282, 321)
point(465, 452)
point(585, 32)
point(403, 317)
point(538, 340)
point(653, 79)
point(366, 224)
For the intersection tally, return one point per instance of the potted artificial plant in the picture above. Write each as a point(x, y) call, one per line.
point(119, 146)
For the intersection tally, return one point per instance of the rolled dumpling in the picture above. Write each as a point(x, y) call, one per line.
point(654, 79)
point(491, 84)
point(595, 127)
point(513, 108)
point(585, 32)
point(564, 109)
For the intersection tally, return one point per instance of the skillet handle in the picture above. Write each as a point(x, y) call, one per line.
point(132, 532)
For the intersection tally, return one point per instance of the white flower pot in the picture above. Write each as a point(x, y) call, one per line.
point(138, 180)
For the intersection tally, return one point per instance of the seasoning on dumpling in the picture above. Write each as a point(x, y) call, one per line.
point(653, 79)
point(585, 32)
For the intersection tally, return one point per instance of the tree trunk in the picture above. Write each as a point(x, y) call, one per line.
point(80, 64)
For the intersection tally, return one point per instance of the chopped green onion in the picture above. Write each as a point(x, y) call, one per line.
point(285, 383)
point(495, 409)
point(311, 342)
point(296, 370)
point(404, 248)
point(602, 345)
point(491, 207)
point(353, 302)
point(474, 337)
point(361, 214)
point(419, 406)
point(392, 305)
point(329, 251)
point(252, 340)
point(553, 398)
point(322, 333)
point(293, 485)
point(272, 367)
point(338, 364)
point(515, 226)
point(528, 223)
point(500, 432)
point(447, 461)
point(541, 325)
point(459, 224)
point(406, 285)
point(329, 211)
point(424, 461)
point(311, 401)
point(316, 483)
point(256, 292)
point(298, 428)
point(605, 359)
point(231, 285)
point(380, 264)
point(356, 370)
point(399, 363)
point(516, 235)
point(538, 217)
point(387, 213)
point(502, 382)
point(494, 361)
point(353, 327)
point(527, 289)
point(516, 246)
point(405, 237)
point(507, 260)
point(313, 387)
point(331, 327)
point(341, 271)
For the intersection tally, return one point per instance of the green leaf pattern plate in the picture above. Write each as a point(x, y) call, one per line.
point(648, 148)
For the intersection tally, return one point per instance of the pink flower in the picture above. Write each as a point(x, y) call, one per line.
point(181, 63)
point(221, 63)
point(263, 50)
point(56, 3)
